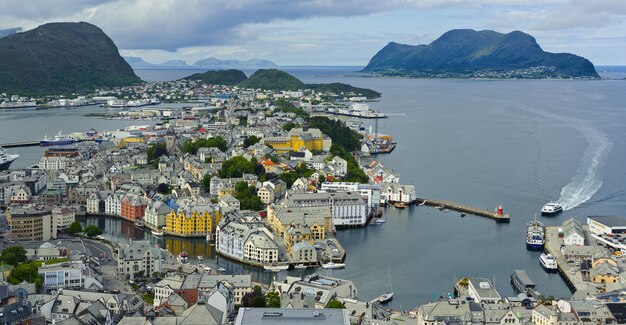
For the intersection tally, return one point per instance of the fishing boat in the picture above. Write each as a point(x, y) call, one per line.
point(548, 262)
point(389, 295)
point(157, 232)
point(183, 258)
point(333, 265)
point(535, 235)
point(138, 223)
point(58, 140)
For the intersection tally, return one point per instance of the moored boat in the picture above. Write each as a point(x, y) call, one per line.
point(548, 262)
point(183, 258)
point(332, 265)
point(535, 235)
point(300, 266)
point(276, 267)
point(400, 205)
point(389, 295)
point(157, 232)
point(551, 209)
point(6, 159)
point(138, 223)
point(58, 140)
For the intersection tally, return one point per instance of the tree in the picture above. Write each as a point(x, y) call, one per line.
point(288, 126)
point(164, 189)
point(248, 199)
point(13, 255)
point(206, 182)
point(75, 228)
point(26, 272)
point(335, 304)
point(92, 231)
point(251, 140)
point(155, 151)
point(254, 298)
point(272, 299)
point(236, 167)
point(192, 147)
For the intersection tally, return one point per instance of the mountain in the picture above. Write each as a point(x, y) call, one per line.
point(273, 79)
point(214, 63)
point(9, 31)
point(174, 63)
point(220, 77)
point(135, 61)
point(470, 53)
point(61, 57)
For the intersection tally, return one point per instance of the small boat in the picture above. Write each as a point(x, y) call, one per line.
point(276, 267)
point(535, 235)
point(221, 269)
point(332, 265)
point(139, 223)
point(400, 205)
point(441, 207)
point(183, 258)
point(300, 266)
point(379, 221)
point(206, 268)
point(389, 295)
point(157, 232)
point(462, 215)
point(422, 203)
point(446, 210)
point(200, 258)
point(551, 209)
point(548, 262)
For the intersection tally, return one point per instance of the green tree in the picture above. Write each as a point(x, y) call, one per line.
point(251, 140)
point(288, 126)
point(74, 228)
point(237, 166)
point(192, 147)
point(206, 182)
point(272, 299)
point(248, 199)
point(164, 188)
point(155, 151)
point(26, 272)
point(335, 304)
point(13, 255)
point(93, 231)
point(254, 298)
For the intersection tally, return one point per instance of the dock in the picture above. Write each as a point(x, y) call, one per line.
point(20, 144)
point(443, 204)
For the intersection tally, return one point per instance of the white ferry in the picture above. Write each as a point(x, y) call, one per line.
point(551, 209)
point(332, 265)
point(548, 262)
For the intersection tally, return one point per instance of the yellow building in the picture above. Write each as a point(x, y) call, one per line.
point(317, 219)
point(312, 139)
point(296, 234)
point(195, 221)
point(130, 142)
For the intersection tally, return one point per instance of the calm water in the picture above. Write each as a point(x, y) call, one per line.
point(519, 143)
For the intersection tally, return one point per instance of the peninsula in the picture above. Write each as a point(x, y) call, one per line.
point(466, 53)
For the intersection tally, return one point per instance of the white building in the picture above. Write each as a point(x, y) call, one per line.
point(64, 217)
point(68, 275)
point(53, 163)
point(483, 291)
point(243, 240)
point(139, 256)
point(394, 192)
point(573, 233)
point(603, 225)
point(347, 208)
point(93, 203)
point(113, 204)
point(156, 213)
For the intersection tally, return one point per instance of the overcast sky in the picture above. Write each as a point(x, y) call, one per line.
point(326, 32)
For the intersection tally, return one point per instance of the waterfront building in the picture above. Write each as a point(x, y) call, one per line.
point(64, 217)
point(543, 315)
point(347, 209)
point(31, 223)
point(95, 204)
point(53, 163)
point(603, 225)
point(579, 254)
point(133, 207)
point(68, 275)
point(311, 139)
point(193, 220)
point(573, 233)
point(156, 213)
point(139, 257)
point(113, 203)
point(303, 252)
point(483, 291)
point(322, 288)
point(296, 234)
point(317, 219)
point(394, 192)
point(369, 192)
point(292, 316)
point(246, 241)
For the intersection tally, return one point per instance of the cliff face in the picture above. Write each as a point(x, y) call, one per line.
point(61, 57)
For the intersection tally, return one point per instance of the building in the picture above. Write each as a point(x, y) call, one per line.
point(573, 233)
point(53, 163)
point(139, 257)
point(68, 275)
point(133, 207)
point(64, 217)
point(246, 240)
point(228, 200)
point(32, 223)
point(347, 208)
point(317, 219)
point(543, 315)
point(193, 220)
point(156, 213)
point(322, 288)
point(113, 203)
point(311, 139)
point(603, 225)
point(95, 204)
point(394, 192)
point(13, 310)
point(292, 316)
point(482, 291)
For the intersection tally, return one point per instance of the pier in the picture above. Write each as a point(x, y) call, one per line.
point(20, 144)
point(442, 204)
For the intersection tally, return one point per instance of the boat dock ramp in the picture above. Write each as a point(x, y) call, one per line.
point(497, 215)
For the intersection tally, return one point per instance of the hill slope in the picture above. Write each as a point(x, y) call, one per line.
point(220, 77)
point(469, 53)
point(61, 57)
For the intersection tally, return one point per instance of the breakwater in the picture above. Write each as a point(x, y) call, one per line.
point(443, 204)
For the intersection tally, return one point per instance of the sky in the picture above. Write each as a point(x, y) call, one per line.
point(326, 32)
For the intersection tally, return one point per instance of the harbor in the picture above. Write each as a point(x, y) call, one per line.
point(499, 216)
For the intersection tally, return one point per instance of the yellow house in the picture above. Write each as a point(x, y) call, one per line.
point(605, 273)
point(199, 220)
point(312, 139)
point(317, 219)
point(296, 234)
point(130, 141)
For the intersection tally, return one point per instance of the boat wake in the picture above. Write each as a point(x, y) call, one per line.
point(587, 180)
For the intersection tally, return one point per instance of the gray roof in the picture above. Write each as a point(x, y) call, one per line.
point(610, 221)
point(253, 316)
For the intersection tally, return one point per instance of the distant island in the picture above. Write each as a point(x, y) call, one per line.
point(209, 63)
point(274, 79)
point(466, 53)
point(61, 58)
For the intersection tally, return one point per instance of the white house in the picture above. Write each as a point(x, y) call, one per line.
point(573, 233)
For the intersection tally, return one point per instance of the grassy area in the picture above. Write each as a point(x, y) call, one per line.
point(57, 260)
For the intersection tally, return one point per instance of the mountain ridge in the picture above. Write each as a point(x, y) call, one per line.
point(470, 53)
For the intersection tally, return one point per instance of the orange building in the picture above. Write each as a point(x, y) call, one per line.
point(133, 207)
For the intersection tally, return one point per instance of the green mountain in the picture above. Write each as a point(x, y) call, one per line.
point(61, 57)
point(273, 79)
point(470, 53)
point(220, 77)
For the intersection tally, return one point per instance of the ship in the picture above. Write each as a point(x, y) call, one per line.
point(551, 209)
point(535, 237)
point(548, 262)
point(333, 265)
point(6, 159)
point(58, 140)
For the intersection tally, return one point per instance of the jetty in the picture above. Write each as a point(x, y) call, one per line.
point(21, 144)
point(498, 216)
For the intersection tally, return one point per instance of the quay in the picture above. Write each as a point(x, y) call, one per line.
point(20, 144)
point(442, 204)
